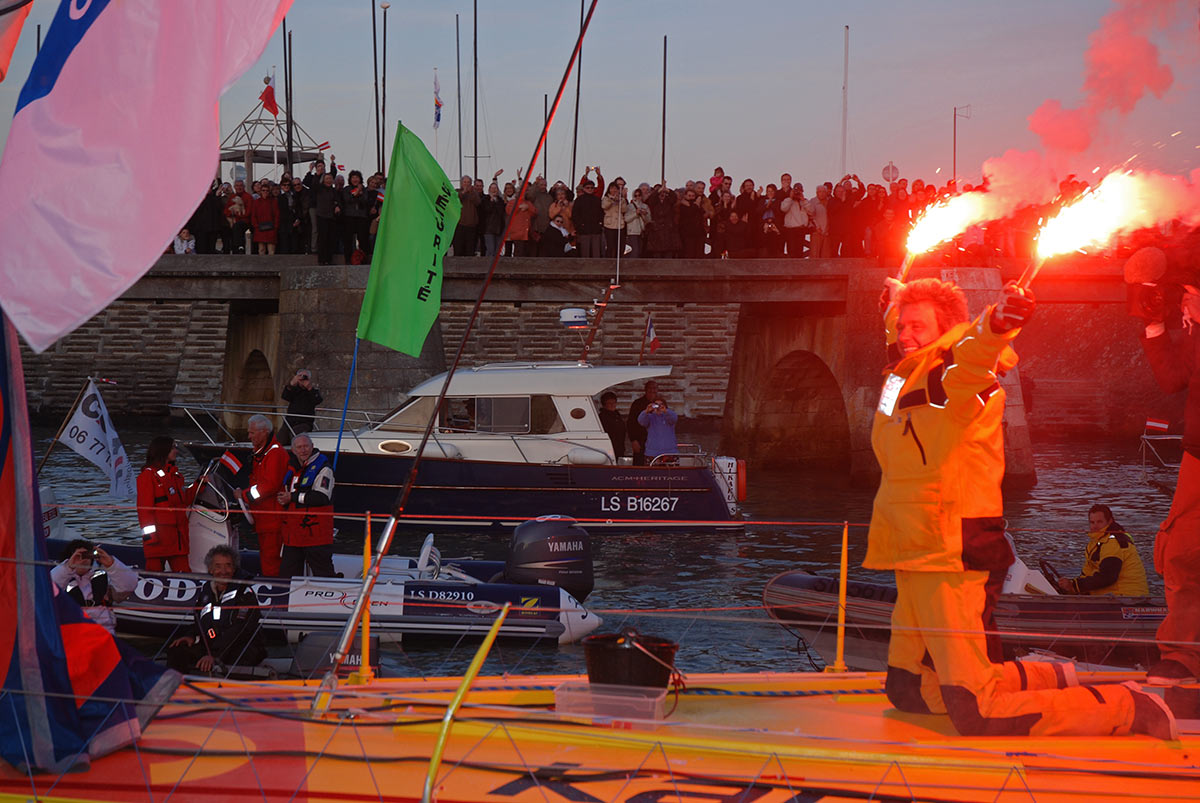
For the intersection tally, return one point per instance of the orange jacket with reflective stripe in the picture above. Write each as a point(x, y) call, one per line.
point(267, 470)
point(937, 435)
point(162, 502)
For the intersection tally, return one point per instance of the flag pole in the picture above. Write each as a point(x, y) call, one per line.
point(324, 697)
point(645, 331)
point(346, 404)
point(62, 426)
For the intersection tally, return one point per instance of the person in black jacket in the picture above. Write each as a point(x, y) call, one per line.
point(613, 423)
point(588, 216)
point(356, 202)
point(226, 630)
point(302, 397)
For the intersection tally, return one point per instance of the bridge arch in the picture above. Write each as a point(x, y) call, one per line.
point(800, 416)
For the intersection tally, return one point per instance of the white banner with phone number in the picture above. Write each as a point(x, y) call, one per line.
point(90, 433)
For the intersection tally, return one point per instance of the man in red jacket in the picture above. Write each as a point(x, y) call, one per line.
point(268, 467)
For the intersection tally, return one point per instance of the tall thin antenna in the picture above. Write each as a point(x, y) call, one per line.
point(458, 72)
point(375, 64)
point(845, 93)
point(663, 166)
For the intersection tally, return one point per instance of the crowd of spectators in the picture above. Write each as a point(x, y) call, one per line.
point(328, 214)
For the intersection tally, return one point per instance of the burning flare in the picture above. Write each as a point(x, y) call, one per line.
point(946, 220)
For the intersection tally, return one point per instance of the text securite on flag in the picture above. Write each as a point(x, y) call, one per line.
point(90, 434)
point(416, 225)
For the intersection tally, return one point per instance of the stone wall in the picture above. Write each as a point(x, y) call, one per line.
point(156, 353)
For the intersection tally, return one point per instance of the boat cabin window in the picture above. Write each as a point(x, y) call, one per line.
point(412, 415)
point(506, 415)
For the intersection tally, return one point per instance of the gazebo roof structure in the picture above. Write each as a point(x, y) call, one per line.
point(261, 138)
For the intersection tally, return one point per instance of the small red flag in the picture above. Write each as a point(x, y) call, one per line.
point(1157, 425)
point(268, 96)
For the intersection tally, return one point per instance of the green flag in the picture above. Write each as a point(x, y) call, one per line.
point(420, 212)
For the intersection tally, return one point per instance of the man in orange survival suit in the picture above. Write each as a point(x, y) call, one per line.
point(938, 523)
point(268, 467)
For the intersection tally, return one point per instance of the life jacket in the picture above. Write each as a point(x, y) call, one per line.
point(99, 590)
point(938, 438)
point(1131, 582)
point(306, 523)
point(210, 614)
point(162, 511)
point(267, 470)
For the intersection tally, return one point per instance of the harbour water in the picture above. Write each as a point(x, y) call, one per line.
point(704, 590)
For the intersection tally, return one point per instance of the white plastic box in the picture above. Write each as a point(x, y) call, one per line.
point(602, 700)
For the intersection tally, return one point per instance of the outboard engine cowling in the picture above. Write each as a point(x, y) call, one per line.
point(551, 551)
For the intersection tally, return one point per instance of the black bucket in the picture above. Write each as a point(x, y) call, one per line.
point(614, 659)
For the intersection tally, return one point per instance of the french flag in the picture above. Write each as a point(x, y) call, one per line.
point(121, 105)
point(651, 338)
point(268, 95)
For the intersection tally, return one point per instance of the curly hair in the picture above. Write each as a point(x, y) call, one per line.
point(949, 303)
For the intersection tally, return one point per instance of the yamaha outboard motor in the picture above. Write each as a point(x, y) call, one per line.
point(551, 551)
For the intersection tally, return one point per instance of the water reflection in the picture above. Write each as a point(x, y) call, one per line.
point(644, 579)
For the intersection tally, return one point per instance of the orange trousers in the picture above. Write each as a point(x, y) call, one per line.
point(938, 662)
point(1177, 559)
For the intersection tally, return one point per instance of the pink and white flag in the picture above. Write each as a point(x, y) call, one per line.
point(113, 142)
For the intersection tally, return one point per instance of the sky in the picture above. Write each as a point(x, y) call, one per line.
point(753, 86)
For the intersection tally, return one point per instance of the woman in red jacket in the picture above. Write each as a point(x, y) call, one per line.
point(162, 502)
point(264, 220)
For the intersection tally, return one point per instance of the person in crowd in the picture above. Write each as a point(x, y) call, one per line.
point(468, 221)
point(313, 182)
point(355, 202)
point(692, 225)
point(770, 217)
point(634, 428)
point(820, 242)
point(613, 423)
point(162, 504)
point(938, 524)
point(95, 590)
point(522, 221)
point(659, 421)
point(541, 198)
point(796, 224)
point(493, 218)
point(480, 245)
point(556, 240)
point(719, 224)
point(562, 206)
point(303, 398)
point(662, 240)
point(889, 239)
point(225, 631)
point(184, 242)
point(637, 218)
point(260, 490)
point(237, 216)
point(748, 202)
point(326, 203)
point(264, 221)
point(587, 213)
point(738, 243)
point(718, 180)
point(587, 185)
point(1177, 544)
point(616, 206)
point(1111, 564)
point(724, 186)
point(208, 219)
point(307, 502)
point(293, 223)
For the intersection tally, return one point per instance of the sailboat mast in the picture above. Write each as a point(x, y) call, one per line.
point(578, 79)
point(845, 92)
point(458, 72)
point(475, 80)
point(663, 165)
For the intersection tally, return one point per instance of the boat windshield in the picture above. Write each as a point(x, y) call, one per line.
point(503, 415)
point(411, 416)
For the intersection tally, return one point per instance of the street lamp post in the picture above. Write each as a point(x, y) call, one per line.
point(965, 113)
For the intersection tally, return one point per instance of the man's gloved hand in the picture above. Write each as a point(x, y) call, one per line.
point(1146, 301)
point(1014, 310)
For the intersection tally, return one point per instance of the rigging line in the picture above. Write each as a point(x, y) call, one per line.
point(86, 742)
point(24, 753)
point(249, 757)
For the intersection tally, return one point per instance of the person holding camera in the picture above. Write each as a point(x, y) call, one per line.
point(659, 421)
point(95, 580)
point(303, 398)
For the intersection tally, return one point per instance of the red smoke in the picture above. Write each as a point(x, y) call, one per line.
point(1122, 65)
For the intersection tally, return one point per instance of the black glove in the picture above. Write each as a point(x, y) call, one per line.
point(1014, 310)
point(1146, 301)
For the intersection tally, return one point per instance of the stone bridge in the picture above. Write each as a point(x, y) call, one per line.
point(782, 356)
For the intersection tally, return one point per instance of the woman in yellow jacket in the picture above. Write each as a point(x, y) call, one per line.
point(1111, 563)
point(938, 523)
